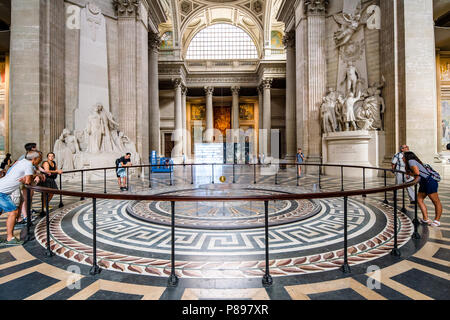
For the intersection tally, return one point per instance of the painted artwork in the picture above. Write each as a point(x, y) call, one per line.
point(277, 40)
point(222, 119)
point(246, 111)
point(445, 137)
point(167, 40)
point(198, 112)
point(445, 70)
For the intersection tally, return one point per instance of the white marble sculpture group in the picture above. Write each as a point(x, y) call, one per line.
point(357, 106)
point(98, 145)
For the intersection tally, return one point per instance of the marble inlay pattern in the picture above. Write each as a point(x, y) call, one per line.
point(312, 245)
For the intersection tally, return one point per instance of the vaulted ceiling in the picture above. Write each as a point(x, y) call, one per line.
point(188, 17)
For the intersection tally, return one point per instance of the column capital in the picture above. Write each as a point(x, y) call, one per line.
point(316, 7)
point(266, 83)
point(127, 8)
point(154, 41)
point(289, 40)
point(235, 90)
point(209, 90)
point(184, 90)
point(177, 83)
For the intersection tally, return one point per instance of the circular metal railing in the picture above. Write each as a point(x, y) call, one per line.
point(267, 279)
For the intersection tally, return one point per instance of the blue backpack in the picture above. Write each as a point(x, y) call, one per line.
point(432, 173)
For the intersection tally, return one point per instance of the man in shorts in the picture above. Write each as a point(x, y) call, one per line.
point(21, 172)
point(124, 161)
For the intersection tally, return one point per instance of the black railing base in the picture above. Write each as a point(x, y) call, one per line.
point(395, 252)
point(267, 280)
point(173, 280)
point(404, 210)
point(415, 235)
point(364, 195)
point(49, 253)
point(95, 270)
point(61, 205)
point(385, 202)
point(346, 268)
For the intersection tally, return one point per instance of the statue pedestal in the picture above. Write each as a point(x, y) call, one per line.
point(358, 148)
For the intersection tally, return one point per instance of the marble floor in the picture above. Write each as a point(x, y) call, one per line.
point(224, 259)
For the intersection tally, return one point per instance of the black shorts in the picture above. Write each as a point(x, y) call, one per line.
point(428, 185)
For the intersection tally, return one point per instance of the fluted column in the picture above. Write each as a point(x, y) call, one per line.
point(184, 90)
point(289, 42)
point(153, 86)
point(177, 135)
point(267, 114)
point(317, 73)
point(209, 115)
point(127, 13)
point(260, 118)
point(235, 112)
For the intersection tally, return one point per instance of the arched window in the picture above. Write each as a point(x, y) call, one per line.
point(222, 41)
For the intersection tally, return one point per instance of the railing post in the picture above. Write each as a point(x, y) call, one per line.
point(192, 173)
point(415, 234)
point(254, 173)
point(173, 279)
point(128, 179)
point(364, 182)
point(95, 269)
point(267, 278)
point(276, 177)
point(385, 192)
point(82, 184)
point(403, 195)
point(29, 236)
point(296, 167)
point(150, 176)
point(104, 180)
point(395, 251)
point(61, 204)
point(48, 252)
point(320, 170)
point(345, 267)
point(212, 168)
point(170, 173)
point(234, 177)
point(342, 178)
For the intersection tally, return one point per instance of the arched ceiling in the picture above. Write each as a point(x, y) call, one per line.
point(188, 17)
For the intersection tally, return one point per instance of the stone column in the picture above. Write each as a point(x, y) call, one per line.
point(317, 74)
point(127, 14)
point(37, 81)
point(153, 93)
point(209, 134)
point(235, 113)
point(289, 42)
point(177, 135)
point(133, 72)
point(260, 118)
point(184, 90)
point(267, 121)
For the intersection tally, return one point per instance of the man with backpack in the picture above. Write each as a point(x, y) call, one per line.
point(121, 173)
point(398, 164)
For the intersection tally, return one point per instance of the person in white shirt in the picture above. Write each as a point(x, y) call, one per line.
point(21, 172)
point(398, 164)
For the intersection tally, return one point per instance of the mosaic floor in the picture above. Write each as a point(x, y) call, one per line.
point(220, 247)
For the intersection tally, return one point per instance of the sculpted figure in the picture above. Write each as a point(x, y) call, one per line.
point(108, 125)
point(339, 110)
point(349, 113)
point(351, 78)
point(365, 117)
point(349, 24)
point(95, 131)
point(65, 148)
point(328, 125)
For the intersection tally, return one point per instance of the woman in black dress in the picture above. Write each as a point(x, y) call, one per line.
point(52, 173)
